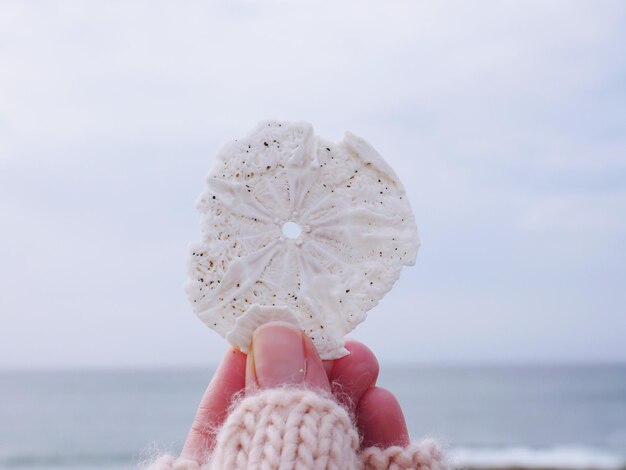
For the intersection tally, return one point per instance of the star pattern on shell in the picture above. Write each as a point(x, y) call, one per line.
point(299, 229)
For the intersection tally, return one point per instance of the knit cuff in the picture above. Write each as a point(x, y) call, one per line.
point(168, 462)
point(424, 455)
point(287, 428)
point(298, 428)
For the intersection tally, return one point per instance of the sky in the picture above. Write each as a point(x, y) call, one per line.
point(505, 120)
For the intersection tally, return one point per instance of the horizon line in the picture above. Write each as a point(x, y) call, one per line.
point(475, 364)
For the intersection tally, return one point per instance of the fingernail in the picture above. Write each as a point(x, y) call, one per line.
point(278, 353)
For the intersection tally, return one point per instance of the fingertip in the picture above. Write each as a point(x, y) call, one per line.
point(277, 356)
point(353, 374)
point(281, 354)
point(363, 355)
point(234, 360)
point(380, 419)
point(230, 374)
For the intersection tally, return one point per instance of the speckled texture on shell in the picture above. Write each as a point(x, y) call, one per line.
point(357, 231)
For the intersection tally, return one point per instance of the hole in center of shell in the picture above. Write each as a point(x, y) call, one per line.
point(291, 230)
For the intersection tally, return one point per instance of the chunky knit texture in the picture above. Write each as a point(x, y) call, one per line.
point(283, 429)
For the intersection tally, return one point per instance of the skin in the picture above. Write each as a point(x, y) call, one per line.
point(282, 355)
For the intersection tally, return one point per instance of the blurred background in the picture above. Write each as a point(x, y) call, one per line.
point(505, 120)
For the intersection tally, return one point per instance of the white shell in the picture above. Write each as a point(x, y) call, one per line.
point(356, 232)
point(254, 317)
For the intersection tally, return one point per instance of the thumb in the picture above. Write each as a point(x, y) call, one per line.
point(280, 354)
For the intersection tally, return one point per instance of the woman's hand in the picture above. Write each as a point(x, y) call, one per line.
point(282, 355)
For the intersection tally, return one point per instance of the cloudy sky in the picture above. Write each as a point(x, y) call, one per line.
point(505, 120)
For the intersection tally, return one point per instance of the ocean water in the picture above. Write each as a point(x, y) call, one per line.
point(567, 417)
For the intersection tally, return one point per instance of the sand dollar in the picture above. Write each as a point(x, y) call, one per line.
point(297, 228)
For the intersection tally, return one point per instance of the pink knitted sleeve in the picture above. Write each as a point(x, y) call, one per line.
point(424, 455)
point(300, 429)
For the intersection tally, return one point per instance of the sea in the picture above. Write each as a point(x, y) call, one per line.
point(488, 416)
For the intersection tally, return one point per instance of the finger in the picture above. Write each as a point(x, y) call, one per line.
point(380, 419)
point(281, 354)
point(353, 374)
point(228, 380)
